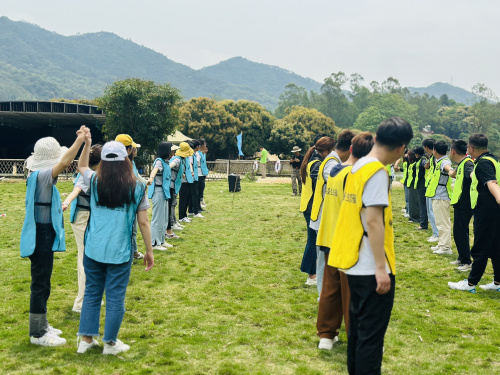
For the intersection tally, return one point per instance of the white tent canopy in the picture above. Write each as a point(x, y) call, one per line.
point(178, 137)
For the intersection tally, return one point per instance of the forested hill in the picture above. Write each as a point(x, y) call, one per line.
point(39, 64)
point(437, 89)
point(36, 64)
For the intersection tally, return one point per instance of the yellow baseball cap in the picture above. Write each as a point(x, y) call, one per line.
point(126, 140)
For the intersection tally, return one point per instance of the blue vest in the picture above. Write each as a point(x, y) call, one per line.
point(178, 178)
point(165, 183)
point(187, 171)
point(74, 203)
point(108, 237)
point(203, 162)
point(28, 234)
point(134, 168)
point(195, 167)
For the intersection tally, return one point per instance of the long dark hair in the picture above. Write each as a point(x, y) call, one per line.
point(95, 156)
point(115, 183)
point(323, 144)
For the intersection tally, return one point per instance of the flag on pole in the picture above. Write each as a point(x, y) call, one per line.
point(239, 139)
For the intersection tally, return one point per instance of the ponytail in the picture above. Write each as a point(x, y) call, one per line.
point(303, 167)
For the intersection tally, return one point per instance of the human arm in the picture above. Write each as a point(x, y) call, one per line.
point(83, 162)
point(143, 221)
point(70, 155)
point(452, 173)
point(375, 230)
point(494, 190)
point(70, 198)
point(152, 175)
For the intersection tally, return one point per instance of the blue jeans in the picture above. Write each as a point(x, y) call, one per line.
point(99, 277)
point(430, 214)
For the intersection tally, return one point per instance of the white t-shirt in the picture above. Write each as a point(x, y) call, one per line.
point(441, 191)
point(375, 193)
point(326, 173)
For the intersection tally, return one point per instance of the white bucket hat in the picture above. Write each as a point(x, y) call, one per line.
point(47, 153)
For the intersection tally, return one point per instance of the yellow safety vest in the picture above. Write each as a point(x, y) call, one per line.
point(405, 172)
point(318, 192)
point(473, 186)
point(349, 230)
point(417, 168)
point(459, 182)
point(409, 180)
point(433, 184)
point(429, 172)
point(307, 189)
point(331, 205)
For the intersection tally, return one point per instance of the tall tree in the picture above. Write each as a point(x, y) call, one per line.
point(293, 96)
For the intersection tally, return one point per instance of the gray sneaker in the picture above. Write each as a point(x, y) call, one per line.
point(464, 267)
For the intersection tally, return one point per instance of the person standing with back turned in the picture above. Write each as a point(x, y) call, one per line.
point(363, 246)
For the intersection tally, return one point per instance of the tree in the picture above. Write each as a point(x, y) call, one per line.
point(293, 96)
point(148, 112)
point(337, 106)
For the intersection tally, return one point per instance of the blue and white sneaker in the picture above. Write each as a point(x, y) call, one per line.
point(491, 286)
point(463, 285)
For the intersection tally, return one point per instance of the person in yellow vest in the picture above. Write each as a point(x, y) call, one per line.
point(337, 156)
point(419, 185)
point(363, 246)
point(309, 175)
point(413, 209)
point(485, 202)
point(439, 190)
point(460, 200)
point(335, 296)
point(428, 145)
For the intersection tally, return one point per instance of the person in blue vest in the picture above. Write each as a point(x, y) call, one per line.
point(187, 177)
point(201, 156)
point(79, 217)
point(132, 147)
point(43, 229)
point(194, 202)
point(176, 170)
point(116, 198)
point(159, 193)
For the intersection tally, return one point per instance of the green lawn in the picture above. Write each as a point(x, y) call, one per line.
point(230, 299)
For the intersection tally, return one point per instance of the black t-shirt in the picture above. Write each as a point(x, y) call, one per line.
point(485, 171)
point(297, 164)
point(464, 200)
point(421, 172)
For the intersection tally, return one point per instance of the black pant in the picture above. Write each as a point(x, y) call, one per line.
point(369, 315)
point(201, 186)
point(424, 222)
point(169, 202)
point(42, 261)
point(183, 200)
point(461, 220)
point(414, 209)
point(486, 245)
point(194, 201)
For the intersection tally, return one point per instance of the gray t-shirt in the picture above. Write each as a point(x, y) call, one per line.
point(441, 192)
point(43, 194)
point(159, 176)
point(175, 165)
point(82, 198)
point(143, 205)
point(198, 159)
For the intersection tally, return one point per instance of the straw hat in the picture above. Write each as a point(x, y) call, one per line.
point(296, 149)
point(47, 153)
point(184, 150)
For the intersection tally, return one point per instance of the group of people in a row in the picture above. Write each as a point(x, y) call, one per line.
point(346, 201)
point(109, 199)
point(427, 179)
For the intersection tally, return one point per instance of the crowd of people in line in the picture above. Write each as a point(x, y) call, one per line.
point(107, 189)
point(349, 256)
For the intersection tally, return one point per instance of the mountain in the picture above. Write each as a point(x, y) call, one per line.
point(437, 89)
point(39, 64)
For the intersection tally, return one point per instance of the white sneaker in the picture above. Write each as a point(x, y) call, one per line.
point(435, 248)
point(83, 345)
point(403, 210)
point(406, 215)
point(462, 285)
point(177, 227)
point(199, 215)
point(433, 239)
point(167, 245)
point(185, 220)
point(119, 347)
point(443, 251)
point(53, 330)
point(464, 267)
point(159, 247)
point(49, 339)
point(190, 214)
point(203, 205)
point(327, 344)
point(77, 310)
point(456, 262)
point(310, 281)
point(490, 286)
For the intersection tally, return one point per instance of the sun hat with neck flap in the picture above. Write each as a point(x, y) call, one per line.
point(46, 154)
point(184, 150)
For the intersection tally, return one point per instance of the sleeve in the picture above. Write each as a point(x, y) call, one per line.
point(328, 168)
point(80, 183)
point(424, 162)
point(45, 179)
point(159, 165)
point(468, 169)
point(175, 163)
point(314, 173)
point(144, 204)
point(485, 172)
point(87, 176)
point(376, 191)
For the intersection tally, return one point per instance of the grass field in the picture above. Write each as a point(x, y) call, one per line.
point(230, 299)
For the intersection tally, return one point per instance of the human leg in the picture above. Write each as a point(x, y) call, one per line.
point(294, 181)
point(79, 226)
point(441, 210)
point(407, 199)
point(430, 215)
point(309, 258)
point(183, 200)
point(320, 267)
point(158, 217)
point(485, 234)
point(461, 220)
point(424, 222)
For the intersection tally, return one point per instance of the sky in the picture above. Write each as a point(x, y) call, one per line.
point(419, 42)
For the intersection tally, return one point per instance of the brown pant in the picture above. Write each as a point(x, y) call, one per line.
point(333, 302)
